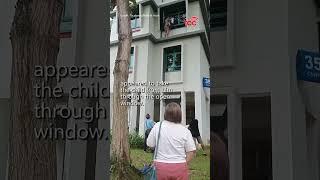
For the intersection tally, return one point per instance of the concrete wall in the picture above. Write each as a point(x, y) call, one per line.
point(148, 61)
point(260, 58)
point(205, 98)
point(141, 61)
point(266, 38)
point(303, 34)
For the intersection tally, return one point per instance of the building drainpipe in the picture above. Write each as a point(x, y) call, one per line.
point(183, 107)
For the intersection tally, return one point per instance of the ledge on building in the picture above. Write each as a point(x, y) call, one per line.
point(65, 35)
point(155, 40)
point(152, 3)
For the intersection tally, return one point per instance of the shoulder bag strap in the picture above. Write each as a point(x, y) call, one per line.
point(156, 150)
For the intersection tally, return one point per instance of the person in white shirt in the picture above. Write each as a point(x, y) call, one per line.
point(176, 146)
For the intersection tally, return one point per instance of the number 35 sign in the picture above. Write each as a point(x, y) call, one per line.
point(308, 66)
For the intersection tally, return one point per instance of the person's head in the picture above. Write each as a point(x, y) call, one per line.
point(148, 116)
point(173, 113)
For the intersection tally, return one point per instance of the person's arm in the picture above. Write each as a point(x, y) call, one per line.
point(190, 156)
point(190, 147)
point(151, 140)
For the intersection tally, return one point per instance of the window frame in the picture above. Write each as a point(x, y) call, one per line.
point(175, 53)
point(173, 12)
point(136, 19)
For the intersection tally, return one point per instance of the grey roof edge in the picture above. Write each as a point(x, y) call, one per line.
point(170, 3)
point(205, 14)
point(152, 38)
point(152, 3)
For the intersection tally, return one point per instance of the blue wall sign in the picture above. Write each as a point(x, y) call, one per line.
point(308, 66)
point(206, 82)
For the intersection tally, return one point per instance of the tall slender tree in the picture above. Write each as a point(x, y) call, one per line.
point(35, 41)
point(120, 144)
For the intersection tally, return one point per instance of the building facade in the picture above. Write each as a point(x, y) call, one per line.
point(181, 59)
point(272, 118)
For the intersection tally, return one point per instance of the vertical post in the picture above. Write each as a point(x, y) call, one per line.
point(75, 152)
point(133, 116)
point(143, 112)
point(183, 107)
point(198, 109)
point(282, 159)
point(140, 16)
point(234, 136)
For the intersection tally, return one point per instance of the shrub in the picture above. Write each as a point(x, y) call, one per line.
point(136, 141)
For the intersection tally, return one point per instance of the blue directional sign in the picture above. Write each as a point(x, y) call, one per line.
point(308, 66)
point(206, 82)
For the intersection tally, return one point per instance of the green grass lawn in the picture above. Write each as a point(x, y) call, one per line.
point(199, 167)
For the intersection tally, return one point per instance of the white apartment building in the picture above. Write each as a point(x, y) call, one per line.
point(272, 118)
point(181, 59)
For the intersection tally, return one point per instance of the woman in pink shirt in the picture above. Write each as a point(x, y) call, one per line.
point(175, 148)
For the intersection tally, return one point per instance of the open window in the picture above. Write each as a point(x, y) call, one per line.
point(172, 58)
point(135, 17)
point(176, 13)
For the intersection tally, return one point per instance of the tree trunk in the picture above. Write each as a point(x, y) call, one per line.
point(35, 41)
point(120, 144)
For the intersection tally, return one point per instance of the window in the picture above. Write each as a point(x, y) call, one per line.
point(176, 13)
point(135, 20)
point(218, 14)
point(172, 58)
point(132, 58)
point(66, 22)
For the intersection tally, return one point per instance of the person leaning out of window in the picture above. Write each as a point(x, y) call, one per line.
point(176, 147)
